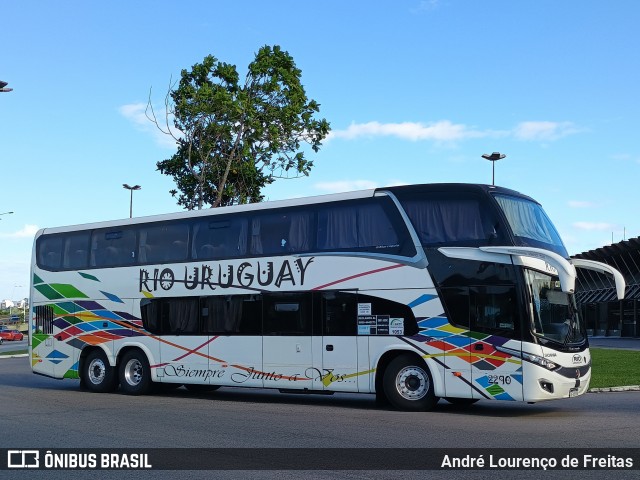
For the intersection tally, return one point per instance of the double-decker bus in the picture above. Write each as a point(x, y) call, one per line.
point(412, 293)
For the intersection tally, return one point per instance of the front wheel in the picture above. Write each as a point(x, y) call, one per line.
point(135, 374)
point(97, 375)
point(408, 385)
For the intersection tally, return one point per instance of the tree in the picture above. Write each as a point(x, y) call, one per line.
point(234, 139)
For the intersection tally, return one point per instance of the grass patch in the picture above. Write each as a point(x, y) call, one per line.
point(614, 368)
point(14, 352)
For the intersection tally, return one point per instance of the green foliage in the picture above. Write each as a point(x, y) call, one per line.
point(614, 368)
point(235, 139)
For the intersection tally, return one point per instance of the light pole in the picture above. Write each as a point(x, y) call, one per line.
point(131, 189)
point(13, 294)
point(4, 88)
point(493, 158)
point(6, 213)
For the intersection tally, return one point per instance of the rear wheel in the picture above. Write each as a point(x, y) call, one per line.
point(408, 384)
point(135, 374)
point(97, 375)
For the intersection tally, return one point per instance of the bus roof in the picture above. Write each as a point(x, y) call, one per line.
point(300, 201)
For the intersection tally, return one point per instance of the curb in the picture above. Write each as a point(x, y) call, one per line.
point(629, 388)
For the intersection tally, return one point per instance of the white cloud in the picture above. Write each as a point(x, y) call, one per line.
point(544, 131)
point(594, 226)
point(345, 185)
point(442, 131)
point(447, 131)
point(28, 231)
point(136, 113)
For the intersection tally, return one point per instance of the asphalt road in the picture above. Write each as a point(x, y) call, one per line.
point(9, 346)
point(38, 412)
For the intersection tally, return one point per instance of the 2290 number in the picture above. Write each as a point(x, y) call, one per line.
point(499, 379)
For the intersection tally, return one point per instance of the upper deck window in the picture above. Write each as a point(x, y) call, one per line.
point(530, 224)
point(452, 219)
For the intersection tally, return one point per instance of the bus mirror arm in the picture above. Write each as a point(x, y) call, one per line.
point(603, 268)
point(565, 270)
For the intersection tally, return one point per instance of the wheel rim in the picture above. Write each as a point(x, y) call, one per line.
point(133, 371)
point(412, 383)
point(97, 371)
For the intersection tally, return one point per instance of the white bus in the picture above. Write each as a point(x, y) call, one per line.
point(412, 293)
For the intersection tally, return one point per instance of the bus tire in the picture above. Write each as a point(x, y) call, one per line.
point(408, 384)
point(135, 374)
point(97, 375)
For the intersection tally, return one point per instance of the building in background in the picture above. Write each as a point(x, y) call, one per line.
point(605, 315)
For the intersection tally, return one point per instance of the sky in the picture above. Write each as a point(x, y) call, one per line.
point(415, 92)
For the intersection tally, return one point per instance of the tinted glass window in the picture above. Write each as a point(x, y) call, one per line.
point(287, 314)
point(445, 219)
point(162, 243)
point(530, 224)
point(364, 225)
point(171, 316)
point(50, 252)
point(281, 233)
point(487, 309)
point(232, 315)
point(340, 313)
point(76, 250)
point(113, 247)
point(225, 237)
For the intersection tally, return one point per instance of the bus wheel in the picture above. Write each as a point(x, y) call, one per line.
point(135, 374)
point(97, 375)
point(408, 385)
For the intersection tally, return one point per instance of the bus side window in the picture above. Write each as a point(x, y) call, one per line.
point(361, 225)
point(50, 252)
point(216, 239)
point(110, 248)
point(287, 314)
point(164, 243)
point(76, 251)
point(340, 313)
point(493, 310)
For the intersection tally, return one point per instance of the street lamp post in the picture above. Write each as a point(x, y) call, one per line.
point(6, 213)
point(131, 189)
point(493, 158)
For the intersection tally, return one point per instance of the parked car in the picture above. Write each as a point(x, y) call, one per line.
point(11, 335)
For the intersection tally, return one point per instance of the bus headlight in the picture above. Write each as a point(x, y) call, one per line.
point(538, 360)
point(530, 357)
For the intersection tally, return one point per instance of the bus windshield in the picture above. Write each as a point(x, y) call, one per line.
point(530, 224)
point(554, 313)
